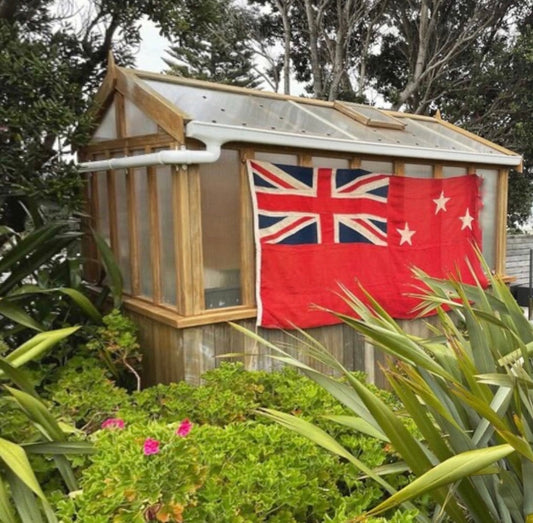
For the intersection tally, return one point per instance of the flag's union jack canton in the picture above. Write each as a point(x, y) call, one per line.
point(304, 205)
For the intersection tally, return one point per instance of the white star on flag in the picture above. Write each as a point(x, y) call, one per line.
point(467, 220)
point(405, 234)
point(441, 202)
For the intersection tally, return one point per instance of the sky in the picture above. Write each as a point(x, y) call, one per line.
point(152, 48)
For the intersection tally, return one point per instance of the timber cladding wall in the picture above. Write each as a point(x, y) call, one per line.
point(517, 261)
point(172, 354)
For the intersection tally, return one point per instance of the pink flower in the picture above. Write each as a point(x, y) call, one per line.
point(184, 428)
point(113, 423)
point(151, 446)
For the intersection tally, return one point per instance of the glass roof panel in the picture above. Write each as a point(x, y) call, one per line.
point(258, 112)
point(440, 132)
point(344, 125)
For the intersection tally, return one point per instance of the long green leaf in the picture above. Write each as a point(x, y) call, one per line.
point(76, 296)
point(38, 414)
point(16, 460)
point(16, 376)
point(397, 345)
point(360, 425)
point(499, 424)
point(322, 438)
point(82, 302)
point(39, 257)
point(35, 346)
point(454, 469)
point(18, 315)
point(29, 244)
point(111, 267)
point(6, 512)
point(65, 469)
point(59, 447)
point(26, 504)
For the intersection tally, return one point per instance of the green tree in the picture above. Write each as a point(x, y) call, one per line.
point(215, 47)
point(492, 97)
point(50, 67)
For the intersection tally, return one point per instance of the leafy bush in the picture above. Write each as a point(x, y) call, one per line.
point(242, 472)
point(231, 394)
point(116, 343)
point(235, 465)
point(84, 394)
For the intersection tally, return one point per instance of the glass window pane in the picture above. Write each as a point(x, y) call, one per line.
point(333, 163)
point(123, 228)
point(102, 220)
point(166, 229)
point(375, 166)
point(220, 193)
point(143, 231)
point(283, 159)
point(137, 122)
point(107, 130)
point(448, 171)
point(488, 213)
point(418, 170)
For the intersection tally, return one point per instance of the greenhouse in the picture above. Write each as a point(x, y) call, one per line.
point(169, 189)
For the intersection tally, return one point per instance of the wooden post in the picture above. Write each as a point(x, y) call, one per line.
point(247, 233)
point(501, 221)
point(399, 167)
point(155, 234)
point(133, 232)
point(196, 238)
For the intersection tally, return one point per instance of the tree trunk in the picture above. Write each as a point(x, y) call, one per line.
point(8, 9)
point(283, 7)
point(316, 70)
point(340, 47)
point(423, 40)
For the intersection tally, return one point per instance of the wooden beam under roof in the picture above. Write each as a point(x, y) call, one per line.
point(149, 101)
point(104, 96)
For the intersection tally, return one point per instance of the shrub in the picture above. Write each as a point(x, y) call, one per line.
point(84, 394)
point(243, 472)
point(232, 394)
point(116, 344)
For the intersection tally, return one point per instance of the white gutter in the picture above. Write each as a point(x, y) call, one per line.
point(167, 157)
point(232, 133)
point(214, 135)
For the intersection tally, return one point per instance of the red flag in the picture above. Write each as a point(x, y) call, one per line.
point(318, 228)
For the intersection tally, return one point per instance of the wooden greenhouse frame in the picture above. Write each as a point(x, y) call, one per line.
point(153, 213)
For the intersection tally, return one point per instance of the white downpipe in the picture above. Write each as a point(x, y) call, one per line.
point(167, 157)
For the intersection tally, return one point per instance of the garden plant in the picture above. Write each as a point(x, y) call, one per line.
point(468, 388)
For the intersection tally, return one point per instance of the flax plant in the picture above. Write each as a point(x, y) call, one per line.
point(468, 387)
